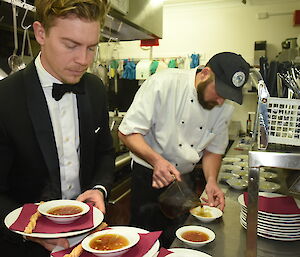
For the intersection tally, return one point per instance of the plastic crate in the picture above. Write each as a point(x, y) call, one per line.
point(284, 121)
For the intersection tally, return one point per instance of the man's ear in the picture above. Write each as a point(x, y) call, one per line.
point(39, 32)
point(205, 73)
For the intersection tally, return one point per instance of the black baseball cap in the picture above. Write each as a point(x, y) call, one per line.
point(231, 74)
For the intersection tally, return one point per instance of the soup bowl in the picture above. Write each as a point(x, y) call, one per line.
point(206, 213)
point(110, 242)
point(63, 211)
point(195, 236)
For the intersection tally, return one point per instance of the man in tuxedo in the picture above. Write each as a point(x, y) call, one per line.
point(55, 141)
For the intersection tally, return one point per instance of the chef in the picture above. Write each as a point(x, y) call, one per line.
point(177, 118)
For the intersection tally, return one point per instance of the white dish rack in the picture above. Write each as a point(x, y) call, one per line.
point(284, 121)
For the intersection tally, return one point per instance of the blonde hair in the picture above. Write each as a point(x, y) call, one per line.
point(91, 10)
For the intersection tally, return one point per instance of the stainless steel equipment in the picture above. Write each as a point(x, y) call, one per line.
point(290, 50)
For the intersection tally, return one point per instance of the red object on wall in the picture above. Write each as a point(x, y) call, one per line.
point(150, 42)
point(296, 17)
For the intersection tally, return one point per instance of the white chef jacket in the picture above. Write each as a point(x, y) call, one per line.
point(167, 113)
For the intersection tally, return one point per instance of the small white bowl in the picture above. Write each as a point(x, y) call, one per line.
point(241, 164)
point(237, 183)
point(44, 208)
point(223, 176)
point(267, 186)
point(240, 172)
point(213, 211)
point(231, 160)
point(210, 233)
point(267, 174)
point(229, 168)
point(132, 237)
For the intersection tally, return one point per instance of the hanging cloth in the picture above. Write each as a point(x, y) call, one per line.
point(195, 61)
point(129, 70)
point(172, 63)
point(153, 67)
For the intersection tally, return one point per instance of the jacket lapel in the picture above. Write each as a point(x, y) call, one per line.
point(41, 121)
point(85, 131)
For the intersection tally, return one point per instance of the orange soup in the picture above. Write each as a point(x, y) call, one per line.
point(109, 242)
point(65, 210)
point(195, 236)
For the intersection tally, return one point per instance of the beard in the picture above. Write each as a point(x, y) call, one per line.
point(208, 105)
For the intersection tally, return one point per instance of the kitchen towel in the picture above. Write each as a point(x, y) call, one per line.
point(139, 250)
point(278, 205)
point(45, 225)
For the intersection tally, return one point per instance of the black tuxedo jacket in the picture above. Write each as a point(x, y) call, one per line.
point(29, 165)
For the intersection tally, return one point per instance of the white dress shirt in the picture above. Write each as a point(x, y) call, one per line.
point(64, 118)
point(167, 112)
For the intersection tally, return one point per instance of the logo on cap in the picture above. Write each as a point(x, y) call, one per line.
point(238, 78)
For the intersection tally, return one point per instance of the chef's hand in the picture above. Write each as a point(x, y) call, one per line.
point(50, 244)
point(164, 173)
point(215, 196)
point(95, 197)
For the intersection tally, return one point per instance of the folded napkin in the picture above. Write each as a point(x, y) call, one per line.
point(45, 225)
point(163, 252)
point(140, 249)
point(277, 205)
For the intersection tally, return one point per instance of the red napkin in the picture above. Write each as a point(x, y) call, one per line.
point(140, 249)
point(163, 252)
point(277, 205)
point(45, 225)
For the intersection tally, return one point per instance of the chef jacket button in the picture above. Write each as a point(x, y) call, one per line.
point(192, 100)
point(66, 139)
point(193, 164)
point(69, 163)
point(70, 187)
point(180, 145)
point(182, 122)
point(176, 164)
point(192, 145)
point(200, 127)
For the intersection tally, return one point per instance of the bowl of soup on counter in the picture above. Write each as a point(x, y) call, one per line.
point(195, 236)
point(206, 213)
point(63, 211)
point(110, 242)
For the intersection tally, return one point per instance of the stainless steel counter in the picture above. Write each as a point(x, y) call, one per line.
point(231, 237)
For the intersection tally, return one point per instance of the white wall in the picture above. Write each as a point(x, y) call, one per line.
point(194, 28)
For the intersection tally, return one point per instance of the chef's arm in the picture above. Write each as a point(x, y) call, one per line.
point(211, 163)
point(163, 170)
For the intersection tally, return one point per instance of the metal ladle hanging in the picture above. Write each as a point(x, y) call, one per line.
point(15, 62)
point(26, 36)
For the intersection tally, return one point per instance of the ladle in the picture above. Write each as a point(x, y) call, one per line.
point(15, 62)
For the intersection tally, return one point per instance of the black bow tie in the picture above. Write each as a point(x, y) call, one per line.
point(58, 90)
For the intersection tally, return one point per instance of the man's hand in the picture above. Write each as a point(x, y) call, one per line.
point(50, 244)
point(215, 196)
point(95, 197)
point(164, 173)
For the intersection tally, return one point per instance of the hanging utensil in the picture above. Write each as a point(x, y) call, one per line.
point(15, 62)
point(25, 36)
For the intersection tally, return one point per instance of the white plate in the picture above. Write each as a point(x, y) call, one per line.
point(281, 228)
point(12, 217)
point(278, 221)
point(267, 235)
point(75, 240)
point(279, 235)
point(267, 194)
point(182, 252)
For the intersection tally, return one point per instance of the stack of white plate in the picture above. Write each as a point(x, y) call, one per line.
point(283, 227)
